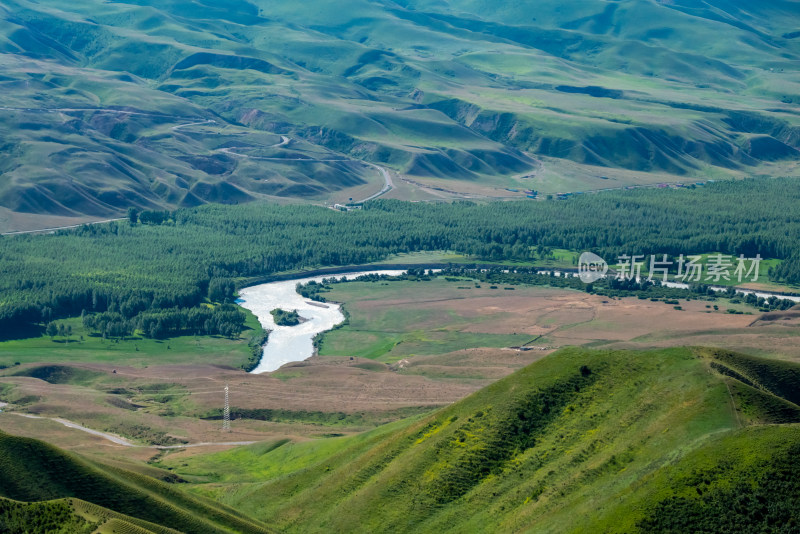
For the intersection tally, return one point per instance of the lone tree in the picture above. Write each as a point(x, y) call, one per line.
point(51, 330)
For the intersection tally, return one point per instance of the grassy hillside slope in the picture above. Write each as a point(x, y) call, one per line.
point(70, 516)
point(31, 470)
point(581, 441)
point(156, 104)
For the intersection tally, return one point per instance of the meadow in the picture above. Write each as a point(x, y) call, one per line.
point(390, 321)
point(134, 350)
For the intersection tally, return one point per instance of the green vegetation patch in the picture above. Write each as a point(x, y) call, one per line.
point(483, 445)
point(134, 350)
point(131, 273)
point(285, 318)
point(54, 517)
point(60, 374)
point(747, 482)
point(780, 378)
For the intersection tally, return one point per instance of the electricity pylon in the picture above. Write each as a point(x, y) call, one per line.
point(226, 413)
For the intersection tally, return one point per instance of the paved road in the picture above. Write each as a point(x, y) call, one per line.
point(48, 230)
point(178, 127)
point(388, 183)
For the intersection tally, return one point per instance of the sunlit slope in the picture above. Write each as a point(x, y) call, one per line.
point(466, 91)
point(31, 470)
point(580, 441)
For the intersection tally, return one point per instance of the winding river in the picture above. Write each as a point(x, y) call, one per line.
point(293, 343)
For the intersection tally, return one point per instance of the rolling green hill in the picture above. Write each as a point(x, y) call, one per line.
point(163, 104)
point(581, 441)
point(31, 470)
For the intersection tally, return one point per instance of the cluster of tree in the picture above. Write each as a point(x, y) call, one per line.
point(58, 329)
point(221, 290)
point(132, 268)
point(148, 216)
point(285, 318)
point(788, 270)
point(312, 291)
point(54, 517)
point(224, 320)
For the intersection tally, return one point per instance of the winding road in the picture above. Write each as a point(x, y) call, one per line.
point(388, 184)
point(179, 126)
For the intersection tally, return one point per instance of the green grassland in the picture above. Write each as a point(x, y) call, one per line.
point(469, 97)
point(409, 328)
point(558, 258)
point(389, 320)
point(580, 441)
point(136, 350)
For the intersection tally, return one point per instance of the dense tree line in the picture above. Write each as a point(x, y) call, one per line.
point(225, 320)
point(256, 345)
point(196, 253)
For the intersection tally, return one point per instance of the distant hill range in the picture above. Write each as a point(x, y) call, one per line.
point(108, 105)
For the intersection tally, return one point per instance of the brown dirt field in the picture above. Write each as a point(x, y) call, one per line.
point(568, 317)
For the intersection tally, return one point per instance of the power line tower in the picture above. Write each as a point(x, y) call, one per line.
point(226, 413)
